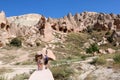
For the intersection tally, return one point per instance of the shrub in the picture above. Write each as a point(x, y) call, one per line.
point(107, 33)
point(89, 29)
point(16, 42)
point(61, 72)
point(38, 44)
point(116, 58)
point(89, 50)
point(92, 48)
point(98, 61)
point(110, 39)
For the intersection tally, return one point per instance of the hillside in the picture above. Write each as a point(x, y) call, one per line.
point(86, 44)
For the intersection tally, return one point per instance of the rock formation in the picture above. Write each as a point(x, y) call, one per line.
point(4, 27)
point(3, 19)
point(37, 30)
point(33, 27)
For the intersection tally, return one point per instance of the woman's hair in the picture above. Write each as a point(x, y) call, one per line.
point(38, 55)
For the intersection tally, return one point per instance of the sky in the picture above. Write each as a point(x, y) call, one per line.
point(58, 8)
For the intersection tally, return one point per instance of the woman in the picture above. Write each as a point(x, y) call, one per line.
point(39, 60)
point(42, 73)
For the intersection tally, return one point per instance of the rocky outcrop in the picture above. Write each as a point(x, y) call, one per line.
point(81, 22)
point(4, 28)
point(3, 19)
point(25, 20)
point(104, 74)
point(76, 23)
point(35, 27)
point(109, 50)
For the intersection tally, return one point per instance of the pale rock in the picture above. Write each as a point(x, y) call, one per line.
point(86, 45)
point(26, 20)
point(3, 18)
point(91, 41)
point(105, 74)
point(103, 41)
point(110, 50)
point(48, 36)
point(101, 51)
point(82, 52)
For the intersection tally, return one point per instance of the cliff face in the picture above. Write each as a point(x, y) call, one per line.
point(35, 27)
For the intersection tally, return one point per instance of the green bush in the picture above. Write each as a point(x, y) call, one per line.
point(116, 58)
point(110, 39)
point(107, 33)
point(93, 48)
point(89, 50)
point(16, 42)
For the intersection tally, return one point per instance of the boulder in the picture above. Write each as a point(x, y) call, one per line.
point(86, 45)
point(48, 33)
point(103, 41)
point(101, 51)
point(110, 50)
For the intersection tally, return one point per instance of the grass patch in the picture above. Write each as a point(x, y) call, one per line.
point(23, 76)
point(4, 70)
point(28, 62)
point(98, 61)
point(77, 38)
point(62, 72)
point(101, 60)
point(3, 78)
point(116, 58)
point(65, 61)
point(8, 58)
point(69, 60)
point(97, 35)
